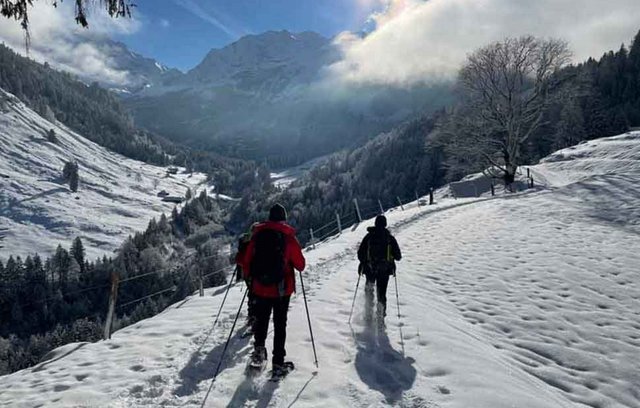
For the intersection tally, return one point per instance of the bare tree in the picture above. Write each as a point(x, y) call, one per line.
point(507, 87)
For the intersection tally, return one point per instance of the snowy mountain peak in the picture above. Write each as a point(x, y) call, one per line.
point(267, 51)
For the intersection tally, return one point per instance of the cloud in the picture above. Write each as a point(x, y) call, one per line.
point(221, 21)
point(427, 41)
point(164, 23)
point(56, 39)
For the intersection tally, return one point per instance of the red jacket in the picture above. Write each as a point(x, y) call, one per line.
point(293, 258)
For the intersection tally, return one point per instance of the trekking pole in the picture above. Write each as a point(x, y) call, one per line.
point(397, 297)
point(225, 348)
point(354, 297)
point(399, 322)
point(313, 343)
point(224, 299)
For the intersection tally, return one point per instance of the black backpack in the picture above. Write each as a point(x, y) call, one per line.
point(379, 251)
point(267, 265)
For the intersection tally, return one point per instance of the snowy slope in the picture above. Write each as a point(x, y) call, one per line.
point(529, 300)
point(116, 196)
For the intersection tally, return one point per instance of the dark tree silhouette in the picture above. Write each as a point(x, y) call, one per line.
point(20, 10)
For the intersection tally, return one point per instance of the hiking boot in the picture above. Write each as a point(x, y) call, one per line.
point(259, 356)
point(382, 310)
point(251, 320)
point(281, 370)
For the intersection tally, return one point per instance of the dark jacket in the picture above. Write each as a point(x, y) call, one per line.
point(392, 249)
point(293, 259)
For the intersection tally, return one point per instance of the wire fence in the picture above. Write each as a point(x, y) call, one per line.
point(359, 213)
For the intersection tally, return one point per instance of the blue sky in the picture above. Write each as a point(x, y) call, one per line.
point(179, 33)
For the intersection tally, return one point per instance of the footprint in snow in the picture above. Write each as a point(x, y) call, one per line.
point(443, 390)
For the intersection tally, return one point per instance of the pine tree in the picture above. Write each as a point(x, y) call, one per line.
point(60, 263)
point(51, 136)
point(570, 128)
point(78, 252)
point(67, 170)
point(74, 178)
point(70, 175)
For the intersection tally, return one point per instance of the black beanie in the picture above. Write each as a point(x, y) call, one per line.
point(381, 221)
point(277, 213)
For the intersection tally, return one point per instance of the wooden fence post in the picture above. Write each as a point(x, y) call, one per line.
point(113, 298)
point(339, 223)
point(355, 202)
point(400, 202)
point(431, 196)
point(201, 283)
point(313, 239)
point(493, 189)
point(417, 198)
point(381, 207)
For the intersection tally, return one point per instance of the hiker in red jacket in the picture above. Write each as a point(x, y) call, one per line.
point(269, 262)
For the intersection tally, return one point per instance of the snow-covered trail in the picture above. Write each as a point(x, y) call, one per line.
point(169, 359)
point(531, 300)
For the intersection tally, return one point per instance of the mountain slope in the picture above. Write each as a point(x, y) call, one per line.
point(529, 300)
point(88, 109)
point(117, 196)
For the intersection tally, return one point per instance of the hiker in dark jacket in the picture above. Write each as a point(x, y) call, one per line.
point(377, 255)
point(269, 261)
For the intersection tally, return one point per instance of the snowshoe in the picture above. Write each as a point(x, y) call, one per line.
point(280, 371)
point(258, 359)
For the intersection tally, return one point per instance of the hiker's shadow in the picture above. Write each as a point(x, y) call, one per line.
point(201, 367)
point(381, 367)
point(249, 391)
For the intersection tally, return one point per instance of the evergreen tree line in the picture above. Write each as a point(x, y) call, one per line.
point(46, 303)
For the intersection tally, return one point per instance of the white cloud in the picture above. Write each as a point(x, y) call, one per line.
point(214, 17)
point(164, 23)
point(425, 41)
point(55, 38)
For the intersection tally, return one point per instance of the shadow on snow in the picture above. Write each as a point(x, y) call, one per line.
point(381, 367)
point(199, 369)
